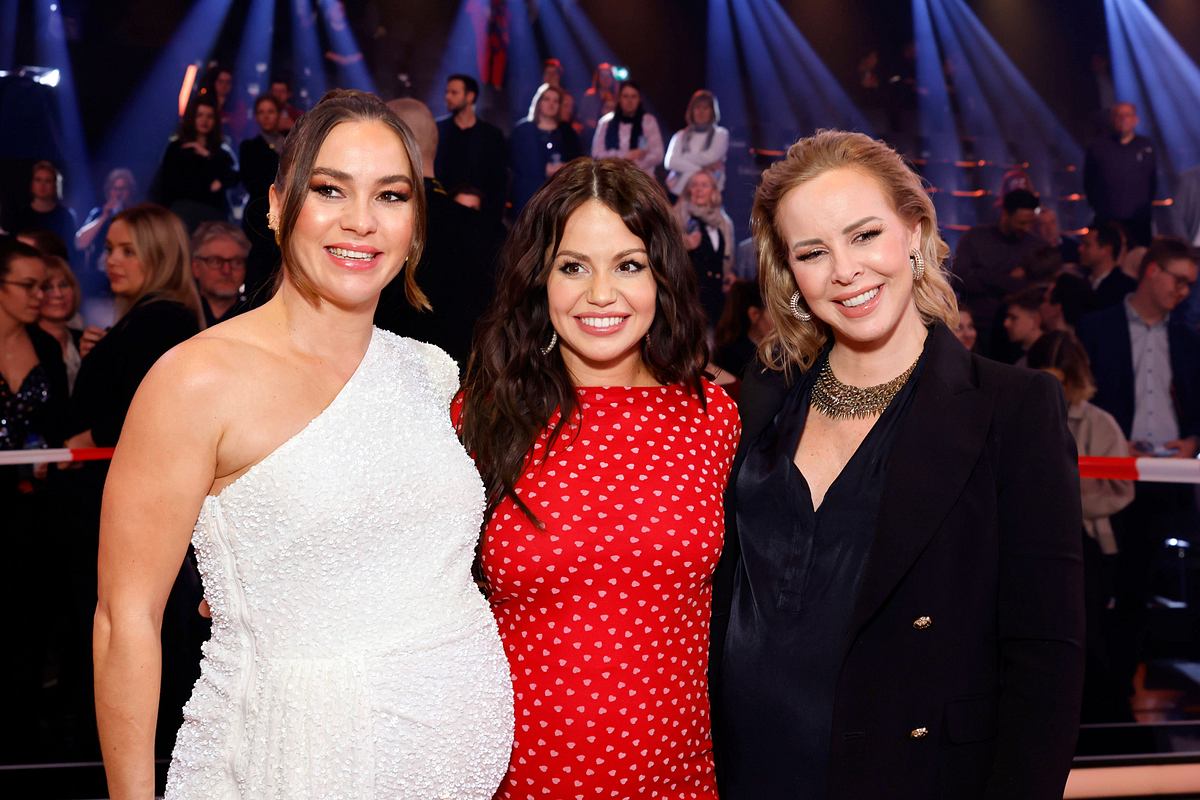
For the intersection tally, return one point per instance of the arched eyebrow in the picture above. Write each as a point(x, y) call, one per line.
point(345, 177)
point(588, 260)
point(845, 230)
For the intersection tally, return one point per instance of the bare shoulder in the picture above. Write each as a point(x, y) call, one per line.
point(216, 363)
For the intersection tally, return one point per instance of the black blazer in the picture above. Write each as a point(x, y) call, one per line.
point(1105, 336)
point(979, 531)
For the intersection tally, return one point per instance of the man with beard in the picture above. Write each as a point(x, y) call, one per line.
point(471, 152)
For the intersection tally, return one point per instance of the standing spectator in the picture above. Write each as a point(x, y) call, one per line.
point(219, 251)
point(629, 132)
point(1023, 319)
point(600, 95)
point(1120, 175)
point(60, 302)
point(541, 145)
point(288, 113)
point(457, 261)
point(701, 145)
point(988, 260)
point(197, 168)
point(1147, 371)
point(708, 237)
point(119, 188)
point(1096, 433)
point(567, 115)
point(743, 325)
point(471, 152)
point(552, 72)
point(259, 161)
point(45, 211)
point(1099, 253)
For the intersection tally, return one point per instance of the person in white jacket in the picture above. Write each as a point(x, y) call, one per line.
point(629, 132)
point(701, 146)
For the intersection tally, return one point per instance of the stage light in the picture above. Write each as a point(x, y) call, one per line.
point(51, 48)
point(620, 73)
point(185, 88)
point(309, 77)
point(351, 67)
point(250, 69)
point(50, 77)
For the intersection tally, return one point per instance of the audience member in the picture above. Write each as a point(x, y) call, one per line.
point(1042, 264)
point(1147, 371)
point(629, 132)
point(1065, 302)
point(965, 331)
point(1120, 175)
point(1051, 233)
point(119, 188)
point(45, 211)
point(602, 94)
point(48, 243)
point(471, 152)
point(1096, 433)
point(33, 393)
point(259, 160)
point(743, 324)
point(288, 113)
point(219, 251)
point(567, 115)
point(1023, 319)
point(1099, 251)
point(60, 303)
point(701, 145)
point(456, 267)
point(708, 237)
point(468, 197)
point(745, 260)
point(552, 73)
point(541, 145)
point(988, 257)
point(197, 168)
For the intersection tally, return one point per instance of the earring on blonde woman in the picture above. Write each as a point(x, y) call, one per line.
point(801, 314)
point(917, 262)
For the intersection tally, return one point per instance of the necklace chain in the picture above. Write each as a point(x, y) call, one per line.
point(838, 400)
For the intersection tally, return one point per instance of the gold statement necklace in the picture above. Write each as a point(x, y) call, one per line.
point(838, 400)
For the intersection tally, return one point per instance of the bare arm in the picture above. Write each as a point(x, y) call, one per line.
point(158, 479)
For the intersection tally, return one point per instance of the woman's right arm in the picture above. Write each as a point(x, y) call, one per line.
point(158, 479)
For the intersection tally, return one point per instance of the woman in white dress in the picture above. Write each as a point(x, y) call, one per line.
point(310, 459)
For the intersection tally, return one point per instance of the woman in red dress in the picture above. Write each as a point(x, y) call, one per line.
point(605, 453)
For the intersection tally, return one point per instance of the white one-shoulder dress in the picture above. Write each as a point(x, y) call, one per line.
point(352, 655)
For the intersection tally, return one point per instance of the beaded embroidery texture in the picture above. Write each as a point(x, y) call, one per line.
point(351, 654)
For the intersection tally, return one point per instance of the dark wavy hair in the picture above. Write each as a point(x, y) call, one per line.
point(187, 125)
point(511, 390)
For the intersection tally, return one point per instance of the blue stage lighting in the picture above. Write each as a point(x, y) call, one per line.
point(308, 63)
point(251, 76)
point(52, 52)
point(459, 56)
point(940, 146)
point(349, 65)
point(140, 135)
point(524, 64)
point(8, 34)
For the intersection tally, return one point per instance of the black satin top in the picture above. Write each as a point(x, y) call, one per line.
point(794, 592)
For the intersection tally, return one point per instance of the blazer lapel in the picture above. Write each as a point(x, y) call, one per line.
point(932, 457)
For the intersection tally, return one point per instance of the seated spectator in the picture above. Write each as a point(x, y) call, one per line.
point(33, 395)
point(1065, 303)
point(541, 145)
point(965, 331)
point(119, 189)
point(1096, 433)
point(288, 113)
point(708, 237)
point(1042, 265)
point(743, 324)
point(197, 168)
point(1099, 253)
point(1023, 319)
point(702, 145)
point(45, 211)
point(60, 303)
point(987, 260)
point(219, 251)
point(629, 132)
point(1051, 233)
point(259, 161)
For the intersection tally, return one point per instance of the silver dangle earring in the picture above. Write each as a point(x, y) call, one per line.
point(553, 341)
point(917, 262)
point(794, 304)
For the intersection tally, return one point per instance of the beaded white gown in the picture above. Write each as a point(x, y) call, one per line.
point(352, 655)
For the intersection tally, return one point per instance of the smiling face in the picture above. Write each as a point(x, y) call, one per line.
point(355, 229)
point(848, 251)
point(601, 296)
point(21, 292)
point(58, 296)
point(126, 273)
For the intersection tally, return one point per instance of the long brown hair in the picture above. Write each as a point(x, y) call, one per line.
point(296, 163)
point(797, 343)
point(1061, 353)
point(162, 247)
point(511, 390)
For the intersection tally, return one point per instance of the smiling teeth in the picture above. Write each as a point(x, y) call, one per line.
point(602, 322)
point(340, 253)
point(858, 300)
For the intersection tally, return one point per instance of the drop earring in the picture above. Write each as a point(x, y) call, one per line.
point(801, 314)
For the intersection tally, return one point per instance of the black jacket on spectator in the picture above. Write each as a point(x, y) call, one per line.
point(259, 162)
point(456, 272)
point(60, 221)
point(532, 150)
point(962, 668)
point(1112, 290)
point(52, 420)
point(475, 157)
point(113, 370)
point(184, 183)
point(1105, 335)
point(1120, 181)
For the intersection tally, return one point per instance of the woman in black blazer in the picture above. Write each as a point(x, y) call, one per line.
point(899, 609)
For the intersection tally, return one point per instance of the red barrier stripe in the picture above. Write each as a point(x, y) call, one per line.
point(1114, 469)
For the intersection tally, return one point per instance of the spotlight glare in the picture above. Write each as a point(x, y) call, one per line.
point(620, 73)
point(50, 78)
point(185, 89)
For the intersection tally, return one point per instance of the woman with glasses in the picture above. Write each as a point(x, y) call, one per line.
point(60, 303)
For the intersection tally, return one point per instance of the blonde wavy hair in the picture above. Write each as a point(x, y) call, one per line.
point(794, 343)
point(161, 244)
